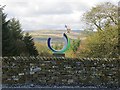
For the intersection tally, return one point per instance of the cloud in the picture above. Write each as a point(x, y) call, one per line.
point(49, 14)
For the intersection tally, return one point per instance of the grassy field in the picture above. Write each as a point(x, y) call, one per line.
point(43, 35)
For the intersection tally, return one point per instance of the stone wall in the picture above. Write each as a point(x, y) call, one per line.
point(61, 71)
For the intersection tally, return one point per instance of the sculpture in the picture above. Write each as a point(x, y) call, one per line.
point(62, 51)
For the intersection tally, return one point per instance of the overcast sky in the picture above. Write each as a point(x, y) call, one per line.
point(49, 14)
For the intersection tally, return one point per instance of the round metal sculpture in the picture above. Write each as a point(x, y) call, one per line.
point(66, 45)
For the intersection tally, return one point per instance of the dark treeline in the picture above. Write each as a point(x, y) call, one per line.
point(14, 42)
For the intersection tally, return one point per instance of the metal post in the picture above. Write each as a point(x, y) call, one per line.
point(1, 47)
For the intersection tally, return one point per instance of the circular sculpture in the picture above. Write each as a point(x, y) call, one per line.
point(66, 46)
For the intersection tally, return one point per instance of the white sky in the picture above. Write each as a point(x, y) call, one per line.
point(49, 14)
